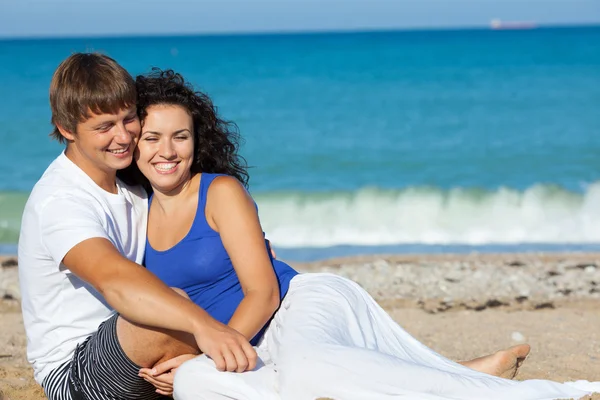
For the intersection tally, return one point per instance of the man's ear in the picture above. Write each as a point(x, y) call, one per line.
point(65, 133)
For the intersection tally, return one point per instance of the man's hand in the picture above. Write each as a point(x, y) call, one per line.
point(228, 348)
point(161, 376)
point(271, 248)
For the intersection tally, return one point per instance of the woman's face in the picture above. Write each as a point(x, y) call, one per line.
point(165, 151)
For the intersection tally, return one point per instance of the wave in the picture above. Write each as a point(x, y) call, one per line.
point(11, 209)
point(415, 215)
point(420, 215)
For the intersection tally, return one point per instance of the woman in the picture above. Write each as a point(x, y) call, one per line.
point(318, 335)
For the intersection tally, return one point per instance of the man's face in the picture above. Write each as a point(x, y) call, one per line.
point(104, 143)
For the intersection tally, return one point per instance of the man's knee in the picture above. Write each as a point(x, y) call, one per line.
point(180, 292)
point(147, 346)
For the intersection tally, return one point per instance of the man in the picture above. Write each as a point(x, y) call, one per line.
point(92, 314)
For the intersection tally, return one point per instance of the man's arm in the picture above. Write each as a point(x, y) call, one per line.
point(139, 296)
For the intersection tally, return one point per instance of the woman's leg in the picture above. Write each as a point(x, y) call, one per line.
point(331, 339)
point(199, 379)
point(504, 363)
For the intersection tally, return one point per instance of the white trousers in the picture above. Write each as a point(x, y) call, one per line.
point(331, 339)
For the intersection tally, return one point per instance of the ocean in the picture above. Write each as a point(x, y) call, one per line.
point(407, 141)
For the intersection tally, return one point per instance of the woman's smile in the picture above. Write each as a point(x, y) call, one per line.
point(166, 168)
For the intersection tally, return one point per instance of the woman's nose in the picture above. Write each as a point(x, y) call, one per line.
point(167, 150)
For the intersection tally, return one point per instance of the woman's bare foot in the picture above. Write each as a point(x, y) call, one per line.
point(504, 363)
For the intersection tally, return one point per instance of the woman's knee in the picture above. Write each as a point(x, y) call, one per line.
point(193, 379)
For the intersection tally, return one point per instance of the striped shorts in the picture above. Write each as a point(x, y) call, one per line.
point(99, 370)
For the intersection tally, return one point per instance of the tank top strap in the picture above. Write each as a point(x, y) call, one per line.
point(200, 223)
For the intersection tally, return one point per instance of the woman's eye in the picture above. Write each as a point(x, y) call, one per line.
point(150, 139)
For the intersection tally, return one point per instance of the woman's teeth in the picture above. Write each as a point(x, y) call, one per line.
point(164, 167)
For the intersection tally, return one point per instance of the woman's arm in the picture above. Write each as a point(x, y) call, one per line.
point(231, 211)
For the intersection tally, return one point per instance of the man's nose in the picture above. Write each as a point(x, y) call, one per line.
point(123, 136)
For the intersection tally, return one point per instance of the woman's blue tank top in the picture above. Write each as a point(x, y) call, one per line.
point(200, 265)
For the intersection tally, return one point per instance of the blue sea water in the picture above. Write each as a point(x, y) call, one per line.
point(362, 142)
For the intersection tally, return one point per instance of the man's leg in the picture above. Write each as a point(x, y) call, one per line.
point(106, 365)
point(147, 346)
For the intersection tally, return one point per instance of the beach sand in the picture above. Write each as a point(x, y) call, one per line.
point(561, 324)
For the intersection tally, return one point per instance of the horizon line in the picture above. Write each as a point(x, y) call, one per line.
point(293, 32)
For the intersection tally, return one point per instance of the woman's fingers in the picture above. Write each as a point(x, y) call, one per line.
point(164, 384)
point(166, 366)
point(171, 364)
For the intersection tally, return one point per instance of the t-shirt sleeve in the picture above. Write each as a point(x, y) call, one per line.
point(66, 222)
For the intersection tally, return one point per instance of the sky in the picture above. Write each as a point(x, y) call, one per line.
point(60, 18)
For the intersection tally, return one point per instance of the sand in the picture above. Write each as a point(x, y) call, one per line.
point(563, 333)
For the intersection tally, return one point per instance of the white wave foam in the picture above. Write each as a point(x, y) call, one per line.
point(540, 214)
point(11, 208)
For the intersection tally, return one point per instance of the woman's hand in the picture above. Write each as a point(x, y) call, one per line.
point(161, 376)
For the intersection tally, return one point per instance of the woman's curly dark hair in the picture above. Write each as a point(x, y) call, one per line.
point(216, 142)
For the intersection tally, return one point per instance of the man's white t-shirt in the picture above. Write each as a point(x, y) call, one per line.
point(65, 208)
